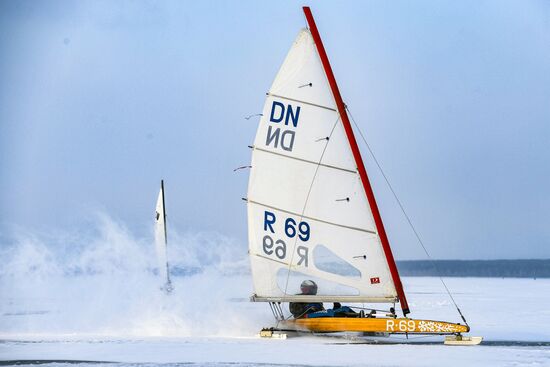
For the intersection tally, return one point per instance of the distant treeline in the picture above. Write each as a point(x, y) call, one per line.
point(476, 268)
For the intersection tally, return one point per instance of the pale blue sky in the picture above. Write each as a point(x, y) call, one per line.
point(99, 100)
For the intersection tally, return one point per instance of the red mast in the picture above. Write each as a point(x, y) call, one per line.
point(358, 160)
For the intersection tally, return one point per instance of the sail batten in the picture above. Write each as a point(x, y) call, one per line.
point(270, 259)
point(312, 218)
point(342, 280)
point(305, 160)
point(304, 102)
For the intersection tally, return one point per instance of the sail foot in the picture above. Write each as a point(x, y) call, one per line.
point(335, 298)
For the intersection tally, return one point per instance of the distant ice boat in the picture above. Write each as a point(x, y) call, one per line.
point(161, 241)
point(313, 222)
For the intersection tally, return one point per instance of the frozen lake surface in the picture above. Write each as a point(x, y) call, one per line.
point(98, 299)
point(316, 351)
point(509, 313)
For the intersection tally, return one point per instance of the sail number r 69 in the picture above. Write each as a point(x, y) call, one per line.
point(400, 325)
point(280, 248)
point(290, 226)
point(292, 229)
point(270, 246)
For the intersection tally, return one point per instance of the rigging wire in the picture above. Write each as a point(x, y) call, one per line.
point(306, 201)
point(432, 262)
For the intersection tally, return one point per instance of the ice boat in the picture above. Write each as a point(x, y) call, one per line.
point(312, 213)
point(161, 241)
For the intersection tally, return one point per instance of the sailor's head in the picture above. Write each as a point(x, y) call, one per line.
point(308, 287)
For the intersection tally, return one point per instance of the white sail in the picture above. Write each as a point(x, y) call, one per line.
point(161, 240)
point(308, 216)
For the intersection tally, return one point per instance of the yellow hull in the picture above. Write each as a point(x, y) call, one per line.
point(374, 325)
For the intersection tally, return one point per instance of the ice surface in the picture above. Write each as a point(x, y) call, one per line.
point(299, 351)
point(98, 299)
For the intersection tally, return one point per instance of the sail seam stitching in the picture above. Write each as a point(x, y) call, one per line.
point(270, 259)
point(304, 102)
point(306, 161)
point(311, 218)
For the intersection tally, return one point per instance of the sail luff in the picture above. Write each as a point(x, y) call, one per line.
point(163, 211)
point(168, 281)
point(358, 159)
point(161, 241)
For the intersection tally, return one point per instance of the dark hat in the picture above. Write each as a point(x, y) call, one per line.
point(308, 287)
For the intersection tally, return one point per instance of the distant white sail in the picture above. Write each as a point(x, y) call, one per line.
point(161, 242)
point(308, 216)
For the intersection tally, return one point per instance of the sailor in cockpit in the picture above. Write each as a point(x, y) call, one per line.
point(311, 310)
point(303, 309)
